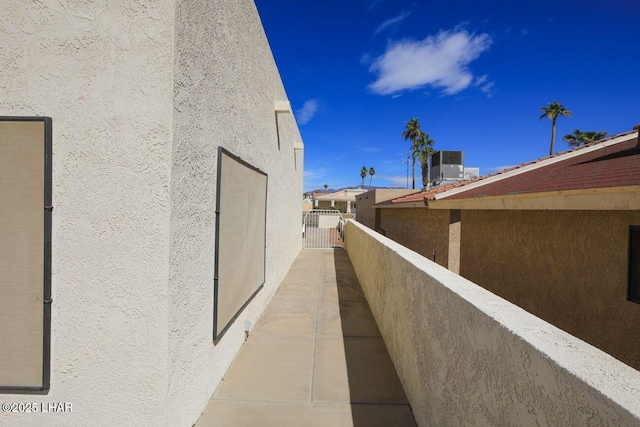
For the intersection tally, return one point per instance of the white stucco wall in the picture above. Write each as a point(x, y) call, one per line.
point(141, 95)
point(103, 71)
point(225, 88)
point(468, 357)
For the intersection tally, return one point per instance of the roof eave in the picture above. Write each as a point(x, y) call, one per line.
point(609, 198)
point(482, 181)
point(421, 204)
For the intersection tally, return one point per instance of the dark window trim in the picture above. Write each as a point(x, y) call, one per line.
point(217, 335)
point(47, 301)
point(633, 283)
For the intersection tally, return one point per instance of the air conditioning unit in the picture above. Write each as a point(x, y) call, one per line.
point(447, 165)
point(471, 173)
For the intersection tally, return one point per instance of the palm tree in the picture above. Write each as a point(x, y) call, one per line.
point(372, 172)
point(363, 174)
point(325, 188)
point(412, 132)
point(552, 112)
point(578, 138)
point(592, 136)
point(426, 150)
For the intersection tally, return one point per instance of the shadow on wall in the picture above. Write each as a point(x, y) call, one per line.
point(376, 395)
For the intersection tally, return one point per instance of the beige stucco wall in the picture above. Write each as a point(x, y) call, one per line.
point(339, 205)
point(103, 72)
point(468, 357)
point(141, 95)
point(366, 214)
point(567, 267)
point(419, 229)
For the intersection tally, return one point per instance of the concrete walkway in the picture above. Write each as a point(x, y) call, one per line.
point(315, 358)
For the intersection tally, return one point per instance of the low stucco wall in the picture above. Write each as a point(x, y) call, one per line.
point(468, 357)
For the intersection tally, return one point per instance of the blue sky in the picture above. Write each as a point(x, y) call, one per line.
point(474, 72)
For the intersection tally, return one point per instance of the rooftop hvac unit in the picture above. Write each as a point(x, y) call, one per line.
point(447, 165)
point(471, 173)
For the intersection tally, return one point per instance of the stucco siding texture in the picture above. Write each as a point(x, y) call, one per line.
point(567, 267)
point(102, 71)
point(141, 95)
point(366, 214)
point(467, 357)
point(225, 86)
point(419, 229)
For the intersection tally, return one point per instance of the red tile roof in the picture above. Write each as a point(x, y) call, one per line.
point(420, 196)
point(579, 168)
point(613, 166)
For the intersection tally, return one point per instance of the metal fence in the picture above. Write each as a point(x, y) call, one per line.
point(323, 229)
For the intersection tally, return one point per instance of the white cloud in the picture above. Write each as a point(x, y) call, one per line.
point(393, 21)
point(367, 149)
point(308, 110)
point(395, 180)
point(313, 174)
point(485, 85)
point(487, 89)
point(441, 61)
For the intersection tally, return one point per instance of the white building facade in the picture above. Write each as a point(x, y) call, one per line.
point(141, 96)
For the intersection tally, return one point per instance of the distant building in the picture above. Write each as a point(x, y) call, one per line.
point(307, 203)
point(366, 213)
point(343, 200)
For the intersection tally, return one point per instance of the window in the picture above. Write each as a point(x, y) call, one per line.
point(633, 292)
point(241, 209)
point(25, 253)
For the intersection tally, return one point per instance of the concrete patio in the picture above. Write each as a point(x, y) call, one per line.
point(315, 357)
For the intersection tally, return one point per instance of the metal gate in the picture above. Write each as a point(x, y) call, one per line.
point(323, 229)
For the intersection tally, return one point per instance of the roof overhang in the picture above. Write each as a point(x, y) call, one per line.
point(387, 205)
point(605, 199)
point(336, 199)
point(527, 167)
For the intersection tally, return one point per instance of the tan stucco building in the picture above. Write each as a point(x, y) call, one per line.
point(552, 236)
point(343, 200)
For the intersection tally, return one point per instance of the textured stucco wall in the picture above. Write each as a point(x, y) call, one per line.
point(567, 267)
point(103, 71)
point(226, 82)
point(366, 214)
point(468, 357)
point(326, 204)
point(422, 230)
point(141, 95)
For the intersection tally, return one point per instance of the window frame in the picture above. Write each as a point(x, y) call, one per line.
point(47, 300)
point(633, 280)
